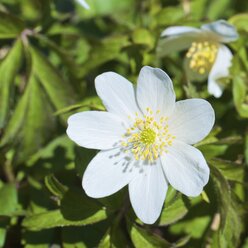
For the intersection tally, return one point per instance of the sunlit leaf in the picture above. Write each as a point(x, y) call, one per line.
point(239, 95)
point(76, 210)
point(8, 199)
point(143, 238)
point(240, 21)
point(59, 91)
point(107, 50)
point(231, 215)
point(8, 69)
point(175, 208)
point(55, 187)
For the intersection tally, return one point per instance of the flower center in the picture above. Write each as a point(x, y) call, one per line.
point(149, 136)
point(202, 56)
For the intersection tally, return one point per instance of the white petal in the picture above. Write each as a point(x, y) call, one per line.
point(95, 129)
point(177, 39)
point(219, 70)
point(108, 172)
point(155, 90)
point(117, 94)
point(185, 168)
point(192, 120)
point(224, 31)
point(179, 30)
point(147, 193)
point(83, 3)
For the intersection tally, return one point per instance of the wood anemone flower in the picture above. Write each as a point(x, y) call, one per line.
point(207, 55)
point(145, 138)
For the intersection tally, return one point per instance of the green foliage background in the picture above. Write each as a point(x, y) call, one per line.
point(50, 53)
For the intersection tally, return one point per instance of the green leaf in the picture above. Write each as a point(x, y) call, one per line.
point(142, 36)
point(38, 122)
point(106, 241)
point(107, 50)
point(240, 95)
point(83, 237)
point(169, 16)
point(61, 145)
point(216, 9)
point(8, 69)
point(37, 239)
point(230, 170)
point(174, 209)
point(89, 103)
point(246, 148)
point(54, 186)
point(240, 21)
point(59, 91)
point(197, 8)
point(211, 151)
point(231, 214)
point(16, 120)
point(34, 10)
point(143, 238)
point(210, 139)
point(10, 26)
point(55, 218)
point(83, 158)
point(114, 238)
point(195, 227)
point(76, 210)
point(4, 222)
point(8, 200)
point(245, 243)
point(2, 236)
point(32, 120)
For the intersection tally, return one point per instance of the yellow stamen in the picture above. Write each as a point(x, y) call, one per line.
point(201, 56)
point(149, 137)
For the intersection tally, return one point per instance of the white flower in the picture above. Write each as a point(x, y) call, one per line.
point(145, 140)
point(83, 3)
point(206, 53)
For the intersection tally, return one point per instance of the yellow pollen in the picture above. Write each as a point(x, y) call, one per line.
point(201, 56)
point(149, 136)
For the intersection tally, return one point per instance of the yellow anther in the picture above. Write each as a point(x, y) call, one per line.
point(201, 56)
point(148, 138)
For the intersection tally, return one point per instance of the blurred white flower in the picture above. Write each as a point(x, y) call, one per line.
point(83, 3)
point(206, 56)
point(145, 140)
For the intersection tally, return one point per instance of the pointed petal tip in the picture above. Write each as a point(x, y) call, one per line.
point(224, 30)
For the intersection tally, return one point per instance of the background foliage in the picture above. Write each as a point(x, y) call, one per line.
point(50, 53)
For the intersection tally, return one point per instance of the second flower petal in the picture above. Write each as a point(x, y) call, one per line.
point(219, 70)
